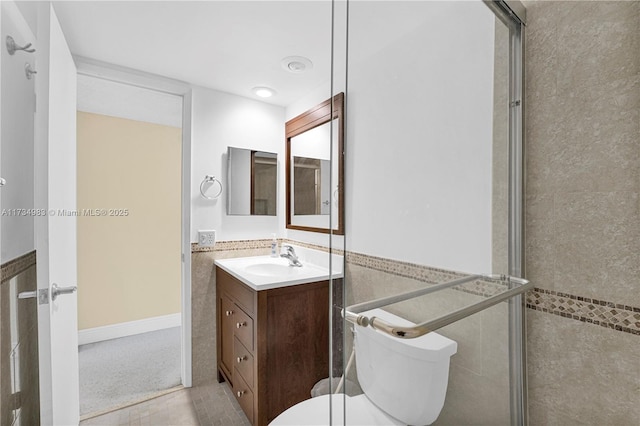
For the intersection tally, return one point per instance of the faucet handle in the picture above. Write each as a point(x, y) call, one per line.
point(288, 248)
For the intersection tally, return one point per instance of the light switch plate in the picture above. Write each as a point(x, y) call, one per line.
point(207, 238)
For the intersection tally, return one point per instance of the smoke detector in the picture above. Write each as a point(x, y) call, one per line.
point(296, 64)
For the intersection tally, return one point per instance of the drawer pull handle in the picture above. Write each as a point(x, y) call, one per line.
point(241, 358)
point(229, 313)
point(240, 393)
point(241, 324)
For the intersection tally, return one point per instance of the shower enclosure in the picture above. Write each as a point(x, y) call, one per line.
point(433, 191)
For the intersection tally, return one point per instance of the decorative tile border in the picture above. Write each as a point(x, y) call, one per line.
point(599, 312)
point(232, 245)
point(481, 287)
point(17, 265)
point(606, 314)
point(422, 273)
point(325, 249)
point(403, 269)
point(256, 244)
point(603, 313)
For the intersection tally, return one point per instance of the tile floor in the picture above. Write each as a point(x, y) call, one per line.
point(210, 405)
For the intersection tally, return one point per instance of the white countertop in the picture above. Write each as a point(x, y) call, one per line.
point(266, 272)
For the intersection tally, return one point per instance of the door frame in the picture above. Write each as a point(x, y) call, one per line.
point(115, 73)
point(513, 14)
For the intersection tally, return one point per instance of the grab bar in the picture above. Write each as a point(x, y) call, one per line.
point(352, 315)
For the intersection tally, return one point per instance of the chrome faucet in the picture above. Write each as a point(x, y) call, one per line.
point(291, 256)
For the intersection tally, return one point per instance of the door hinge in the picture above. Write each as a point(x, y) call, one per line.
point(514, 103)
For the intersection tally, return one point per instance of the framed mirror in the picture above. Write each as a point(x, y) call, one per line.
point(252, 178)
point(315, 168)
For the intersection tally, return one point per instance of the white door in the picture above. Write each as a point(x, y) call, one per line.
point(55, 191)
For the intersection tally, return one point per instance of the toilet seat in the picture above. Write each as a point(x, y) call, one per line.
point(315, 412)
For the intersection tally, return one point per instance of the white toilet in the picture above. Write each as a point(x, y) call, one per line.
point(404, 382)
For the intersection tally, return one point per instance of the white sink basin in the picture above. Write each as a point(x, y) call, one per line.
point(271, 269)
point(265, 272)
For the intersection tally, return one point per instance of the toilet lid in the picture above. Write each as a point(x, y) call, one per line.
point(315, 411)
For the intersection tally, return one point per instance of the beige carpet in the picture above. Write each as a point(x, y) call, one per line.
point(130, 369)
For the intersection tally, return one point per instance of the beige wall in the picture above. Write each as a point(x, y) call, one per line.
point(583, 216)
point(128, 267)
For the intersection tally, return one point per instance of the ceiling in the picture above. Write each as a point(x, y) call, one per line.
point(231, 46)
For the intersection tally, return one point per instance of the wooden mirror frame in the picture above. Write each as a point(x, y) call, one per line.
point(320, 114)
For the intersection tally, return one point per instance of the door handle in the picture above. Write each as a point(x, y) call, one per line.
point(56, 291)
point(3, 181)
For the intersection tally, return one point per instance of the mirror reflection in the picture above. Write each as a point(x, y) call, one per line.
point(252, 180)
point(312, 172)
point(310, 186)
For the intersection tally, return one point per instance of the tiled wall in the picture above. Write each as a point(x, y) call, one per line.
point(203, 301)
point(479, 382)
point(478, 389)
point(19, 390)
point(582, 211)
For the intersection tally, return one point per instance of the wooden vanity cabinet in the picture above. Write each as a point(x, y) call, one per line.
point(272, 345)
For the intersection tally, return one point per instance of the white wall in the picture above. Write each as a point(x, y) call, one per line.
point(313, 143)
point(17, 139)
point(105, 97)
point(418, 141)
point(419, 133)
point(221, 120)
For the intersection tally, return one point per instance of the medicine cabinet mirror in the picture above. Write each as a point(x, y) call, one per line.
point(252, 182)
point(315, 168)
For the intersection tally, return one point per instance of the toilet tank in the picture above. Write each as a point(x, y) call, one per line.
point(406, 378)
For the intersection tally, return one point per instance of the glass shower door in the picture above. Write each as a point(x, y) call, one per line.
point(432, 194)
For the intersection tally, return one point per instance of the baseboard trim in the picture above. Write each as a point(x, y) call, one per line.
point(108, 332)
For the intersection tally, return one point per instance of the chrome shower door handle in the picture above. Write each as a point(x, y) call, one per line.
point(41, 294)
point(27, 294)
point(3, 182)
point(56, 291)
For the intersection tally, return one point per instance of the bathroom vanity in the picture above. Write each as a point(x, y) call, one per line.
point(272, 332)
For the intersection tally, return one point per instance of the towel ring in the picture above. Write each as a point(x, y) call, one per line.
point(210, 179)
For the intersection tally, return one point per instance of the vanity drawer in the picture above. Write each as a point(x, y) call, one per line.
point(244, 328)
point(243, 362)
point(243, 295)
point(244, 395)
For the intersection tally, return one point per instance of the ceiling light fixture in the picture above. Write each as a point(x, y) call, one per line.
point(296, 64)
point(263, 92)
